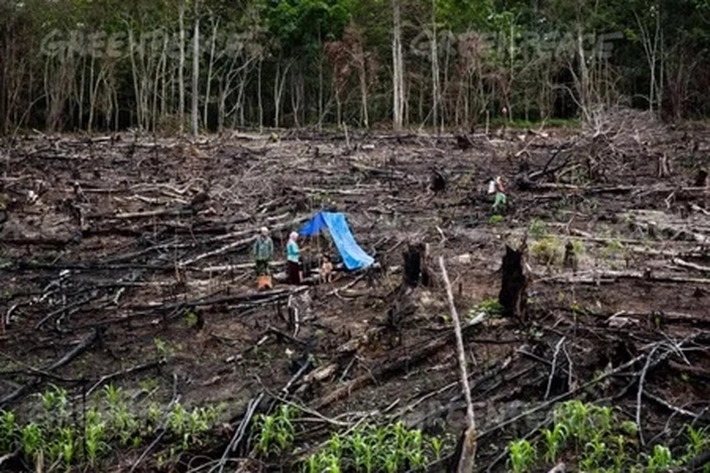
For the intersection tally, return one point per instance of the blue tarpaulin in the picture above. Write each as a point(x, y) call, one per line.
point(353, 256)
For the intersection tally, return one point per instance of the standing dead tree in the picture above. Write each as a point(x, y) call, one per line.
point(415, 270)
point(512, 295)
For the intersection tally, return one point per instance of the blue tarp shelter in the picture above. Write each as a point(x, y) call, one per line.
point(353, 256)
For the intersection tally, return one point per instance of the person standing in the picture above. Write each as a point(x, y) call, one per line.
point(293, 259)
point(500, 201)
point(263, 252)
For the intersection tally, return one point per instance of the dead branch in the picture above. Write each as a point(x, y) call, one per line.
point(468, 453)
point(609, 277)
point(239, 244)
point(403, 357)
point(554, 365)
point(686, 264)
point(68, 357)
point(671, 407)
point(241, 430)
point(559, 468)
point(117, 374)
point(607, 374)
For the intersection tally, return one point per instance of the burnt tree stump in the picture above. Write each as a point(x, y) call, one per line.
point(512, 294)
point(415, 271)
point(463, 142)
point(438, 182)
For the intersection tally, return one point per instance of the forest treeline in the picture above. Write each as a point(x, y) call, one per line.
point(196, 65)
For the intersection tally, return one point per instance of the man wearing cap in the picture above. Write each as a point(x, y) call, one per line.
point(263, 252)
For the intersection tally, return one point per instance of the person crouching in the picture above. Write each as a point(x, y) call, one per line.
point(326, 269)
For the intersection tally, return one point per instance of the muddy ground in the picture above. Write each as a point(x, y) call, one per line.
point(137, 248)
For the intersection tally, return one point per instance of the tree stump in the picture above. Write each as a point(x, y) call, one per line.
point(415, 271)
point(662, 167)
point(463, 142)
point(438, 182)
point(512, 294)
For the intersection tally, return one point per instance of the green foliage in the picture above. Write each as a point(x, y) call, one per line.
point(530, 46)
point(191, 319)
point(660, 460)
point(554, 440)
point(522, 455)
point(111, 421)
point(491, 307)
point(372, 448)
point(9, 431)
point(697, 441)
point(613, 248)
point(577, 247)
point(275, 433)
point(537, 228)
point(595, 438)
point(496, 219)
point(188, 426)
point(302, 26)
point(547, 250)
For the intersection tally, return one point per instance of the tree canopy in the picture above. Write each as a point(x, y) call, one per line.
point(109, 64)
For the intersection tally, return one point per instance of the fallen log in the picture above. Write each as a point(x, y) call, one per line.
point(531, 185)
point(137, 215)
point(263, 296)
point(240, 243)
point(610, 277)
point(389, 173)
point(68, 357)
point(690, 369)
point(686, 264)
point(234, 267)
point(406, 356)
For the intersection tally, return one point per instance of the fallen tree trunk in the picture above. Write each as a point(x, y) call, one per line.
point(609, 277)
point(69, 356)
point(403, 357)
point(237, 244)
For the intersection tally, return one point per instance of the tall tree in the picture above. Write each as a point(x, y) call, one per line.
point(397, 67)
point(181, 68)
point(196, 72)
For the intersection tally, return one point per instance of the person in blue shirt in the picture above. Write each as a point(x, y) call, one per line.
point(293, 259)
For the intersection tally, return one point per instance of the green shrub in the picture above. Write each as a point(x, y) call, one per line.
point(547, 251)
point(373, 448)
